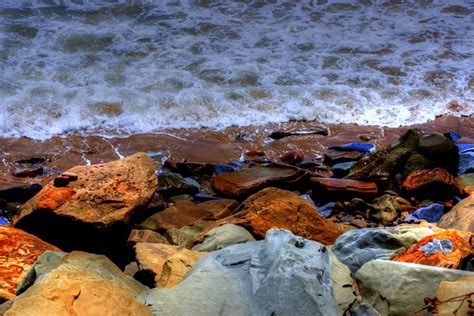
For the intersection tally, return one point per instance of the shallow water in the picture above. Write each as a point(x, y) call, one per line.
point(104, 67)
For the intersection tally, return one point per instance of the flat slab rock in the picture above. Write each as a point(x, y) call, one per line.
point(247, 181)
point(276, 208)
point(18, 252)
point(103, 201)
point(345, 186)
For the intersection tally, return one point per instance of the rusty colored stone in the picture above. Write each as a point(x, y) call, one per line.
point(343, 187)
point(292, 157)
point(333, 157)
point(453, 251)
point(247, 181)
point(276, 208)
point(255, 153)
point(18, 251)
point(430, 182)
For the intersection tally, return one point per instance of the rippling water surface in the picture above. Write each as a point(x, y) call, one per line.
point(140, 66)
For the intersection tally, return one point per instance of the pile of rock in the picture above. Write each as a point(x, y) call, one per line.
point(362, 232)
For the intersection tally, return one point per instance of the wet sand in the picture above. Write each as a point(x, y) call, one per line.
point(204, 145)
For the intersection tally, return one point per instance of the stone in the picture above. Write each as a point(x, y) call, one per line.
point(465, 147)
point(342, 188)
point(446, 249)
point(177, 198)
point(243, 279)
point(19, 193)
point(185, 213)
point(185, 235)
point(145, 235)
point(334, 157)
point(188, 168)
point(327, 209)
point(466, 162)
point(385, 209)
point(466, 183)
point(357, 247)
point(247, 181)
point(18, 252)
point(460, 217)
point(231, 167)
point(364, 309)
point(439, 149)
point(342, 169)
point(171, 184)
point(344, 288)
point(276, 208)
point(292, 157)
point(28, 172)
point(455, 298)
point(359, 147)
point(400, 288)
point(359, 223)
point(100, 206)
point(436, 182)
point(298, 132)
point(162, 265)
point(222, 237)
point(431, 213)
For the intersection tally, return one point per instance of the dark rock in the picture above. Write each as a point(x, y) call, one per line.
point(347, 218)
point(177, 198)
point(327, 209)
point(221, 169)
point(466, 162)
point(335, 157)
point(359, 147)
point(255, 153)
point(19, 193)
point(359, 223)
point(172, 184)
point(439, 149)
point(341, 170)
point(188, 168)
point(203, 197)
point(62, 181)
point(431, 213)
point(436, 183)
point(4, 221)
point(28, 172)
point(282, 134)
point(292, 157)
point(145, 236)
point(453, 136)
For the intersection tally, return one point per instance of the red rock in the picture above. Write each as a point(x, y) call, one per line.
point(247, 181)
point(186, 167)
point(292, 157)
point(276, 208)
point(28, 172)
point(185, 212)
point(436, 183)
point(333, 157)
point(18, 251)
point(255, 153)
point(342, 187)
point(450, 258)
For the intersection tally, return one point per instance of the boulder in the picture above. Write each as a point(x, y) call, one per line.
point(244, 182)
point(454, 298)
point(96, 211)
point(327, 188)
point(171, 184)
point(281, 275)
point(364, 309)
point(436, 183)
point(400, 288)
point(446, 249)
point(276, 208)
point(224, 236)
point(162, 265)
point(461, 216)
point(357, 247)
point(185, 212)
point(18, 252)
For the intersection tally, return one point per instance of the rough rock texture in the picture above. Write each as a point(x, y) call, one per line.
point(276, 208)
point(244, 279)
point(171, 184)
point(145, 235)
point(400, 288)
point(184, 213)
point(445, 249)
point(357, 247)
point(18, 251)
point(185, 235)
point(385, 209)
point(461, 216)
point(247, 181)
point(455, 298)
point(224, 236)
point(466, 183)
point(100, 206)
point(437, 183)
point(162, 265)
point(342, 187)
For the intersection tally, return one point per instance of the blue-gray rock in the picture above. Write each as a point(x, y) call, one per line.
point(224, 236)
point(327, 209)
point(453, 136)
point(4, 221)
point(357, 247)
point(360, 147)
point(171, 184)
point(466, 162)
point(364, 309)
point(431, 213)
point(308, 198)
point(281, 275)
point(342, 169)
point(221, 169)
point(465, 147)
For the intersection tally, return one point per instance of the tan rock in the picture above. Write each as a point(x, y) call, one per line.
point(18, 251)
point(145, 235)
point(454, 298)
point(276, 208)
point(460, 217)
point(164, 265)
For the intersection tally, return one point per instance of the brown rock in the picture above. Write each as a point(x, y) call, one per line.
point(145, 235)
point(437, 183)
point(162, 265)
point(333, 157)
point(342, 188)
point(292, 157)
point(247, 181)
point(461, 216)
point(445, 249)
point(185, 235)
point(189, 168)
point(185, 212)
point(276, 208)
point(359, 223)
point(28, 172)
point(96, 211)
point(18, 251)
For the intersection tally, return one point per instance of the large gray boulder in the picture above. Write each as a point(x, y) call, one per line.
point(281, 275)
point(400, 288)
point(356, 247)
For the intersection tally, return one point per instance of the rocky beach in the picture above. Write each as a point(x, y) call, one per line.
point(298, 218)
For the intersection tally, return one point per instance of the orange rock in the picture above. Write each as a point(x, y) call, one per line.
point(276, 208)
point(445, 249)
point(432, 181)
point(52, 197)
point(343, 187)
point(255, 152)
point(18, 251)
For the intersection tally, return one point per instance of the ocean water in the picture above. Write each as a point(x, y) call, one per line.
point(116, 66)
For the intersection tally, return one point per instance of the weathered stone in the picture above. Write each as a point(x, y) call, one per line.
point(385, 209)
point(18, 251)
point(185, 235)
point(100, 206)
point(145, 235)
point(400, 288)
point(171, 184)
point(276, 208)
point(28, 172)
point(185, 213)
point(162, 265)
point(431, 213)
point(243, 279)
point(224, 236)
point(364, 309)
point(342, 188)
point(439, 149)
point(342, 169)
point(438, 183)
point(455, 298)
point(359, 147)
point(357, 247)
point(185, 167)
point(299, 132)
point(466, 162)
point(461, 216)
point(334, 157)
point(446, 249)
point(466, 183)
point(247, 181)
point(292, 157)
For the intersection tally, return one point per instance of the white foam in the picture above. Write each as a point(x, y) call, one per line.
point(158, 65)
